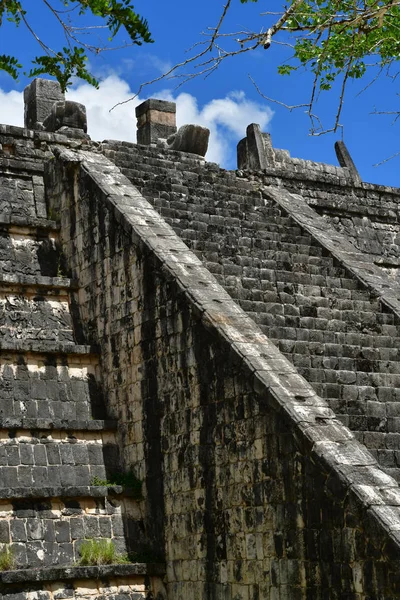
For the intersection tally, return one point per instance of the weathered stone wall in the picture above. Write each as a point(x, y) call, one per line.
point(46, 533)
point(332, 326)
point(59, 460)
point(115, 582)
point(253, 488)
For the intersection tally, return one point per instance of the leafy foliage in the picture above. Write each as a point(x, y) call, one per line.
point(337, 40)
point(72, 59)
point(127, 480)
point(342, 35)
point(332, 36)
point(10, 64)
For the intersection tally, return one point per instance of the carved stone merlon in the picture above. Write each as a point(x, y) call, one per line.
point(67, 117)
point(46, 109)
point(255, 151)
point(190, 138)
point(156, 119)
point(345, 160)
point(39, 97)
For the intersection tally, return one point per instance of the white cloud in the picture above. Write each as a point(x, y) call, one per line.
point(227, 118)
point(12, 108)
point(119, 124)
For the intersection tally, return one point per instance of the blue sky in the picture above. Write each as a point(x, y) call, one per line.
point(227, 100)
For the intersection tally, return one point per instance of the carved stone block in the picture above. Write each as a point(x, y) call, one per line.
point(190, 138)
point(66, 114)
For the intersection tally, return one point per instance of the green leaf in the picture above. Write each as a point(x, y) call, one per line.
point(10, 65)
point(70, 62)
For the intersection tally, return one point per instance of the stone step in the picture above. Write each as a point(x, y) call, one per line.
point(307, 328)
point(38, 283)
point(362, 339)
point(389, 461)
point(266, 239)
point(35, 225)
point(69, 491)
point(34, 424)
point(393, 472)
point(267, 262)
point(332, 288)
point(310, 349)
point(34, 317)
point(371, 422)
point(50, 387)
point(306, 279)
point(223, 220)
point(346, 377)
point(296, 283)
point(56, 458)
point(359, 365)
point(272, 270)
point(245, 289)
point(276, 256)
point(368, 408)
point(78, 573)
point(255, 255)
point(44, 533)
point(313, 317)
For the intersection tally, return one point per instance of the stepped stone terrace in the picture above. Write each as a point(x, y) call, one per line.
point(199, 368)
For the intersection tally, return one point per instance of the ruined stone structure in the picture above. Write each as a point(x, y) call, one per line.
point(200, 365)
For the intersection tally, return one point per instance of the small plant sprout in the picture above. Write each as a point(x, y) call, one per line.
point(7, 558)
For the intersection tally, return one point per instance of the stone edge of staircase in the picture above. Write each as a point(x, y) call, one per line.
point(92, 491)
point(81, 572)
point(360, 264)
point(331, 445)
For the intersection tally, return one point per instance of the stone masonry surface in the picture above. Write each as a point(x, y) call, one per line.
point(253, 486)
point(58, 449)
point(229, 339)
point(334, 329)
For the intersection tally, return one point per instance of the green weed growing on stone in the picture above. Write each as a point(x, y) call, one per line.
point(7, 558)
point(100, 552)
point(127, 480)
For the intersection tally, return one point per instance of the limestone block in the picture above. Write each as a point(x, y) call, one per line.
point(66, 114)
point(155, 119)
point(345, 160)
point(255, 151)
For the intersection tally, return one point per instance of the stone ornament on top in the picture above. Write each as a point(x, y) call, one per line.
point(156, 123)
point(66, 116)
point(156, 119)
point(256, 153)
point(190, 138)
point(47, 110)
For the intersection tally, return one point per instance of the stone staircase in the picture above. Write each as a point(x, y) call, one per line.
point(59, 455)
point(336, 333)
